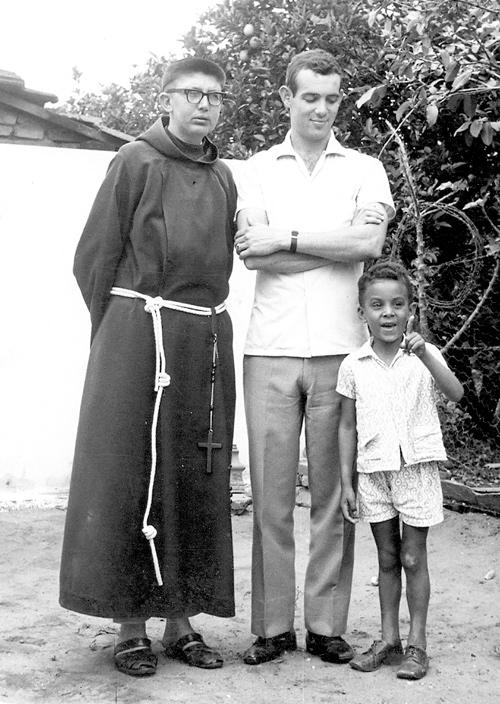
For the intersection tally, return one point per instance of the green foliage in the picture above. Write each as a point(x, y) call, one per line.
point(130, 110)
point(470, 460)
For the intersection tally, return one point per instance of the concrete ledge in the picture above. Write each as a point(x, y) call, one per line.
point(13, 500)
point(457, 495)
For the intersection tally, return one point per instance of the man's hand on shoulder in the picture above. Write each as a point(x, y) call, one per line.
point(371, 214)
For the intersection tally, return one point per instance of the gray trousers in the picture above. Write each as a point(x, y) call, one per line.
point(280, 394)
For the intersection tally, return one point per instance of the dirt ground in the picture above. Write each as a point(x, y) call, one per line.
point(52, 655)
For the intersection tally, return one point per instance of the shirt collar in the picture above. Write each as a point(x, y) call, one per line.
point(333, 147)
point(366, 350)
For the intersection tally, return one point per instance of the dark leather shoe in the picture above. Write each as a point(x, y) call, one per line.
point(265, 649)
point(329, 648)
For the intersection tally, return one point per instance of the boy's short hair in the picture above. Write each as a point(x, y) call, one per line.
point(192, 64)
point(385, 269)
point(317, 60)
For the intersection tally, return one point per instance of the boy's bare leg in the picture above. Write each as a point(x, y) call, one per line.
point(388, 541)
point(414, 561)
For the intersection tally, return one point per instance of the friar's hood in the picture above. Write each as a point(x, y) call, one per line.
point(158, 137)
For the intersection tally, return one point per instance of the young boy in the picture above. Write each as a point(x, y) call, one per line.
point(148, 527)
point(389, 419)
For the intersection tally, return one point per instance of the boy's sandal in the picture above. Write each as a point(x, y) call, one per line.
point(134, 657)
point(192, 649)
point(414, 664)
point(379, 653)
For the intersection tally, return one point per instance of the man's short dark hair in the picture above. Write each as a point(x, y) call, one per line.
point(193, 64)
point(317, 60)
point(385, 269)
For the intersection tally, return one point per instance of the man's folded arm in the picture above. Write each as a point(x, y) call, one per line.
point(362, 239)
point(280, 262)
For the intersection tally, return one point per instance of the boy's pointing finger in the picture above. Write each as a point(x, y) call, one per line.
point(409, 325)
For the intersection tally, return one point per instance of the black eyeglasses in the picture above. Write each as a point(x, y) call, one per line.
point(195, 96)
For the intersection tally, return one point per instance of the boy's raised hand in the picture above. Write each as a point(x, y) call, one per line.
point(348, 504)
point(413, 342)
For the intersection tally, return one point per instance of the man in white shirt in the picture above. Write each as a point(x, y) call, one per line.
point(310, 212)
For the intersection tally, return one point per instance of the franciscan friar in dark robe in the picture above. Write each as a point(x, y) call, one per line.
point(148, 529)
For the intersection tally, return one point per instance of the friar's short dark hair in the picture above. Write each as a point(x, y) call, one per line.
point(192, 64)
point(317, 60)
point(385, 269)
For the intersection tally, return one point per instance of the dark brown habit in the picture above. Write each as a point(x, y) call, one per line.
point(162, 224)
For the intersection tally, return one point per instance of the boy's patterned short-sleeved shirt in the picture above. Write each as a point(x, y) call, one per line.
point(396, 412)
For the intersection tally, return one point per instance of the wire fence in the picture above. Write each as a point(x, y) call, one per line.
point(469, 335)
point(455, 261)
point(461, 297)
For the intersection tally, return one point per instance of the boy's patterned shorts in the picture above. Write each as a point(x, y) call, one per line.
point(413, 492)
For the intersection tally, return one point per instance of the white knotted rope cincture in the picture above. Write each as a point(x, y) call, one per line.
point(162, 379)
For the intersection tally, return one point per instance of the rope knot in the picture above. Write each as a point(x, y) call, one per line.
point(163, 379)
point(150, 532)
point(153, 304)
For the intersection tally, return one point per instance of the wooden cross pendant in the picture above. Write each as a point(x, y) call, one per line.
point(209, 445)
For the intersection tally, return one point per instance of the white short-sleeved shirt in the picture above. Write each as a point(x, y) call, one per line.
point(396, 412)
point(311, 313)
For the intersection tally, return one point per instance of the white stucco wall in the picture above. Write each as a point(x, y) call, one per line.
point(45, 196)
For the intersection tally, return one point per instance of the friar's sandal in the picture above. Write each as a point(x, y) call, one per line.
point(134, 657)
point(192, 649)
